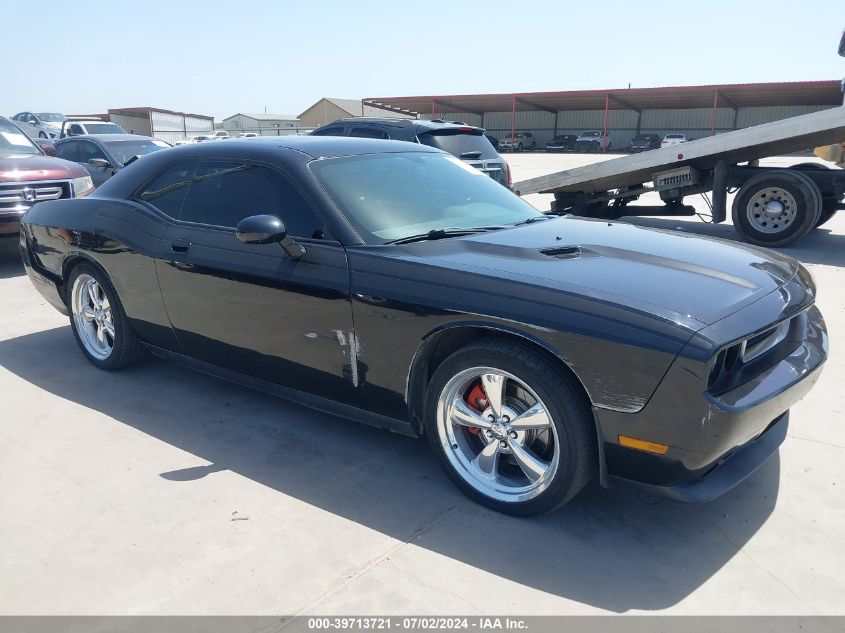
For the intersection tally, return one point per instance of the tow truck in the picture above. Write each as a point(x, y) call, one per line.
point(773, 206)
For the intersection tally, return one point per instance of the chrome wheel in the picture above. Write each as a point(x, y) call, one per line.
point(92, 316)
point(497, 434)
point(771, 210)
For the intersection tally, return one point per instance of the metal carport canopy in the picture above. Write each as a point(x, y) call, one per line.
point(675, 97)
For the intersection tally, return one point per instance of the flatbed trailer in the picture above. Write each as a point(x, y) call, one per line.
point(774, 206)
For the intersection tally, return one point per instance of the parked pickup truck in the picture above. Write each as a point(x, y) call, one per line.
point(28, 176)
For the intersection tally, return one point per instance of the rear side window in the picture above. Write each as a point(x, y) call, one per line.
point(167, 192)
point(368, 132)
point(460, 143)
point(329, 131)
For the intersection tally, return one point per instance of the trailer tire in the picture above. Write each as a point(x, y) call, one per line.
point(829, 205)
point(827, 213)
point(777, 208)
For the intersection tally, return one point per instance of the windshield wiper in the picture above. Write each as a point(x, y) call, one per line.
point(472, 154)
point(532, 219)
point(438, 234)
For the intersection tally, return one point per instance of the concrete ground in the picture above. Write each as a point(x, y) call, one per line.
point(156, 490)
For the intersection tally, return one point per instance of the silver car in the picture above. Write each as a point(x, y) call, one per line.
point(40, 124)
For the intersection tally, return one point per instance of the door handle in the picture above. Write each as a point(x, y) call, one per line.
point(180, 246)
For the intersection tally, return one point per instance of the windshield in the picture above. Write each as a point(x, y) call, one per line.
point(52, 117)
point(104, 128)
point(591, 134)
point(394, 196)
point(124, 150)
point(13, 142)
point(675, 136)
point(458, 143)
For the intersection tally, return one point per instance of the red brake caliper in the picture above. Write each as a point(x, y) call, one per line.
point(477, 399)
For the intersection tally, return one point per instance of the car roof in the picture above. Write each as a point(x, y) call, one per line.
point(109, 137)
point(430, 124)
point(313, 146)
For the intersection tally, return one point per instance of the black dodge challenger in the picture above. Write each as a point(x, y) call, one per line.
point(394, 285)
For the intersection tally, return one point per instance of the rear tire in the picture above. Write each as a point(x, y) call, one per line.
point(776, 208)
point(98, 321)
point(539, 449)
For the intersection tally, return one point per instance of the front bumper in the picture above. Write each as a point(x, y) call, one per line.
point(714, 441)
point(724, 475)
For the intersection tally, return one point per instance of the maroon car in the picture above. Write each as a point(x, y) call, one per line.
point(28, 176)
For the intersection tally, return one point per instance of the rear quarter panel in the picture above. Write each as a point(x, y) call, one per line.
point(118, 236)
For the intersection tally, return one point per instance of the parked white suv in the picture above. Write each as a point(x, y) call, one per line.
point(593, 141)
point(673, 139)
point(211, 136)
point(521, 141)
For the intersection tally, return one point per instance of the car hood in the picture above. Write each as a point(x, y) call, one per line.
point(26, 167)
point(694, 277)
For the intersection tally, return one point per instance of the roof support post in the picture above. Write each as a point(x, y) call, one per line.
point(433, 107)
point(713, 113)
point(606, 111)
point(555, 132)
point(513, 121)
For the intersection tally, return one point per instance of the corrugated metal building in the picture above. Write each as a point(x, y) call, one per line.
point(694, 110)
point(330, 109)
point(166, 125)
point(264, 124)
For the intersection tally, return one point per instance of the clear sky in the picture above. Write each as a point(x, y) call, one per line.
point(222, 57)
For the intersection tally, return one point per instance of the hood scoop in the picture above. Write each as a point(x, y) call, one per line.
point(562, 252)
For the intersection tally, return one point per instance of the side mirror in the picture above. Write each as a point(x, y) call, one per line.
point(99, 162)
point(261, 229)
point(842, 45)
point(266, 229)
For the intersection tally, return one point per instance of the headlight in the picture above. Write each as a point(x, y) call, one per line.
point(82, 185)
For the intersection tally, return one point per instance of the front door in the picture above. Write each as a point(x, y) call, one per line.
point(247, 307)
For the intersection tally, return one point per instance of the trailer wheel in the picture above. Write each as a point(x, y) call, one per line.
point(829, 205)
point(776, 208)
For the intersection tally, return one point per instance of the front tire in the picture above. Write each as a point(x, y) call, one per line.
point(511, 429)
point(99, 322)
point(777, 208)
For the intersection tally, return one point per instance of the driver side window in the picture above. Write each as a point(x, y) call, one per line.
point(67, 150)
point(222, 193)
point(88, 150)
